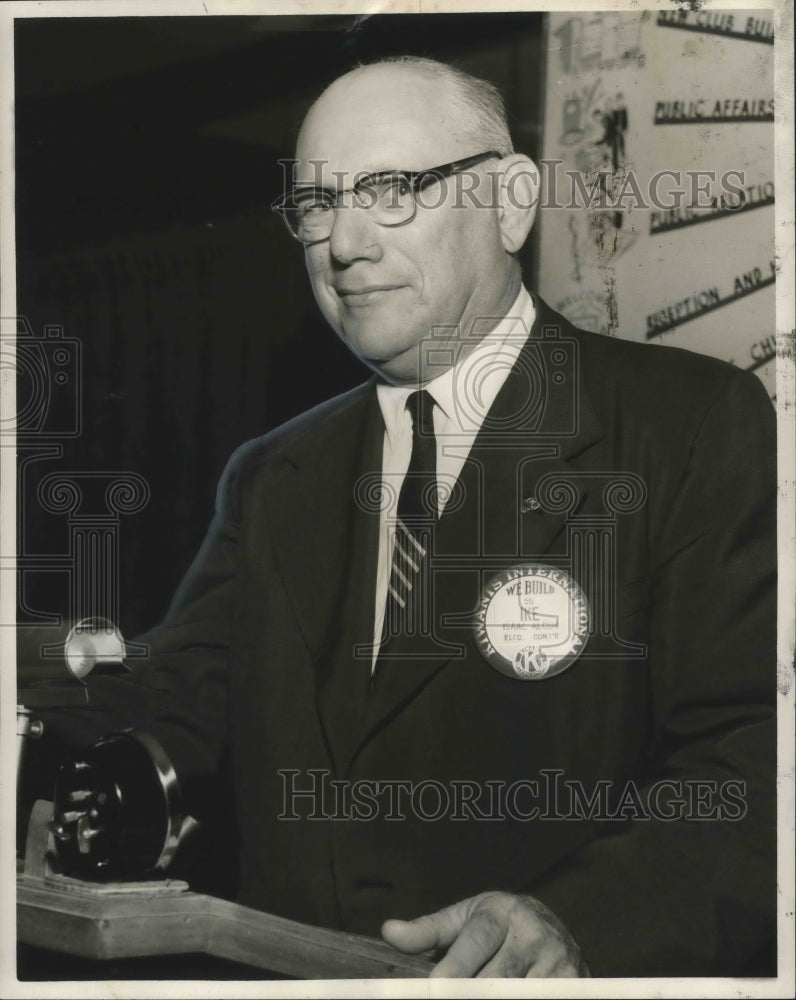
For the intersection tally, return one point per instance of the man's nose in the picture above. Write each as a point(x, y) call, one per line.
point(354, 236)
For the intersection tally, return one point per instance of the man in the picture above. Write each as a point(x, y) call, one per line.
point(573, 593)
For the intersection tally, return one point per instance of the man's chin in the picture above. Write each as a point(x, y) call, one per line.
point(398, 366)
point(398, 369)
point(401, 370)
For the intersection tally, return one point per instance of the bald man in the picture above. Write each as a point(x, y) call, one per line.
point(466, 693)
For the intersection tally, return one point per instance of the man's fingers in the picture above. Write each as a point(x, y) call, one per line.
point(410, 936)
point(434, 930)
point(547, 961)
point(509, 963)
point(492, 935)
point(547, 969)
point(524, 945)
point(481, 936)
point(554, 960)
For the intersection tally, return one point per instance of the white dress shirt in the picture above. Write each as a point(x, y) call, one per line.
point(463, 396)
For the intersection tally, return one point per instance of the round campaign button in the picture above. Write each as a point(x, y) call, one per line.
point(533, 621)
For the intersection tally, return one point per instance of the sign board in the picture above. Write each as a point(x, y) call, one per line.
point(658, 179)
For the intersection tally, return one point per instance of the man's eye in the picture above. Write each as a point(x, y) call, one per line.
point(400, 186)
point(392, 192)
point(312, 205)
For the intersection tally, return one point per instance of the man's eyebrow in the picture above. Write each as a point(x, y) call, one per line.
point(307, 187)
point(356, 176)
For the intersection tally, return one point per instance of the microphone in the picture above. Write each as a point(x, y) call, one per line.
point(117, 810)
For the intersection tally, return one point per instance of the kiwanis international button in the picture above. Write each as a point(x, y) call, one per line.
point(532, 622)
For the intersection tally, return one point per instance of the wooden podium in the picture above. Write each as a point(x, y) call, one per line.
point(123, 920)
point(161, 918)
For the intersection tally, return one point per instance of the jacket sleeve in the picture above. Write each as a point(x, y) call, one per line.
point(178, 692)
point(695, 894)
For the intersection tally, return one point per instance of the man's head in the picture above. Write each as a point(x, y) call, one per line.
point(385, 288)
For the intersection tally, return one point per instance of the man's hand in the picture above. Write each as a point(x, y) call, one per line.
point(494, 934)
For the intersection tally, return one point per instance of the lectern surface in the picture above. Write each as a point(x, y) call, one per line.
point(151, 919)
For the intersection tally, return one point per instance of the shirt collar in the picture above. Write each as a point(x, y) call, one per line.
point(466, 391)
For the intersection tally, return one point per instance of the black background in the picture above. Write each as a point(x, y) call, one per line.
point(146, 155)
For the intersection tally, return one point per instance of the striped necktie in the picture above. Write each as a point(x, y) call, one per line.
point(407, 611)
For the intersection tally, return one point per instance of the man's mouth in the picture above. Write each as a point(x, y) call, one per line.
point(365, 295)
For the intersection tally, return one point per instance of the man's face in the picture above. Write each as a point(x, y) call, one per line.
point(384, 289)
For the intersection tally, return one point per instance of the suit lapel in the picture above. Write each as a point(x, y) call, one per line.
point(326, 545)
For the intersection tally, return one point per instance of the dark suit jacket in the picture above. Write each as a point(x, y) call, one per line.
point(253, 670)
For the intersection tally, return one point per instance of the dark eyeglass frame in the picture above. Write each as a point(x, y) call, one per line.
point(417, 179)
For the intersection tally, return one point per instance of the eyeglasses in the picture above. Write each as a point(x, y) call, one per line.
point(389, 196)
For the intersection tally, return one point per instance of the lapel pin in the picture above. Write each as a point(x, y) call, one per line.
point(530, 503)
point(533, 621)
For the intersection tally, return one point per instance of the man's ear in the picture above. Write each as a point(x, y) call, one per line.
point(518, 200)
